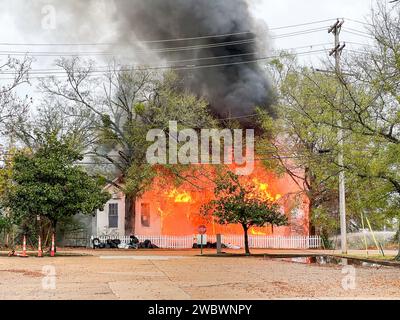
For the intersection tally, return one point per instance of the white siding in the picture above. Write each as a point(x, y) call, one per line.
point(102, 227)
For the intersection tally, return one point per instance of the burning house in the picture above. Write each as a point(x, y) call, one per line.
point(225, 44)
point(176, 210)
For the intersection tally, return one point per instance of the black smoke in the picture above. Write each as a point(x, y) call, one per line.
point(234, 87)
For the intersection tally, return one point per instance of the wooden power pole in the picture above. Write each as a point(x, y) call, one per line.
point(336, 51)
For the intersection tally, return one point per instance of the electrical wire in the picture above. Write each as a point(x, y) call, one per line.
point(298, 33)
point(147, 51)
point(165, 40)
point(357, 43)
point(358, 21)
point(255, 159)
point(359, 34)
point(106, 68)
point(193, 67)
point(358, 31)
point(302, 24)
point(100, 53)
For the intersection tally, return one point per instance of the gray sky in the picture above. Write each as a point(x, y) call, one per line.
point(279, 13)
point(21, 21)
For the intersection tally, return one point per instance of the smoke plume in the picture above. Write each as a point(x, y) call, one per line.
point(221, 69)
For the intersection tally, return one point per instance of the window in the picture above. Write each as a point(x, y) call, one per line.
point(113, 215)
point(145, 214)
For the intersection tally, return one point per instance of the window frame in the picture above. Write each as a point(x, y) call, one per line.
point(113, 213)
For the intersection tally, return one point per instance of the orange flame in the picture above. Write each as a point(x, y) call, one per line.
point(263, 193)
point(178, 197)
point(178, 208)
point(257, 233)
point(162, 216)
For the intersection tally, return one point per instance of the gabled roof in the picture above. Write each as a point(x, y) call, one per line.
point(116, 181)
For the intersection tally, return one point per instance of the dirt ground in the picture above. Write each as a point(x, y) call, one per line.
point(184, 275)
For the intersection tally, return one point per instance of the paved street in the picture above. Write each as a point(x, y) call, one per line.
point(183, 275)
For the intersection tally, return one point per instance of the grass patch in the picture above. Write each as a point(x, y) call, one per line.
point(374, 259)
point(33, 254)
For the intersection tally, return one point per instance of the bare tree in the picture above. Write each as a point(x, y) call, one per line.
point(124, 104)
point(12, 107)
point(67, 121)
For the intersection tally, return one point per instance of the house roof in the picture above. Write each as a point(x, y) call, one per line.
point(116, 181)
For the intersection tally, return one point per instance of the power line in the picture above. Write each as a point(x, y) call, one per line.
point(358, 31)
point(176, 49)
point(165, 40)
point(299, 33)
point(358, 21)
point(357, 43)
point(304, 47)
point(364, 35)
point(193, 67)
point(163, 50)
point(255, 159)
point(106, 68)
point(302, 24)
point(46, 71)
point(360, 35)
point(147, 51)
point(74, 54)
point(358, 52)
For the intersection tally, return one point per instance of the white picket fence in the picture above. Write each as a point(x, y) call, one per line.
point(164, 242)
point(255, 242)
point(272, 242)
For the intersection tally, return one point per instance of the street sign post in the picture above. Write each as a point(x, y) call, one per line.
point(202, 231)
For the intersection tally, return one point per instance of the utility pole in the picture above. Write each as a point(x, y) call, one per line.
point(337, 51)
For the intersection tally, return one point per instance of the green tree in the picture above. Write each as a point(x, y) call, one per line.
point(48, 184)
point(299, 143)
point(125, 105)
point(235, 203)
point(6, 183)
point(305, 140)
point(365, 96)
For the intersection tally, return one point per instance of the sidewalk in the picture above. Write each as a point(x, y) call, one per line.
point(196, 252)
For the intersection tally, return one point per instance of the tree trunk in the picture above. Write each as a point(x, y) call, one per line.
point(130, 214)
point(398, 237)
point(54, 231)
point(311, 194)
point(47, 242)
point(246, 239)
point(311, 227)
